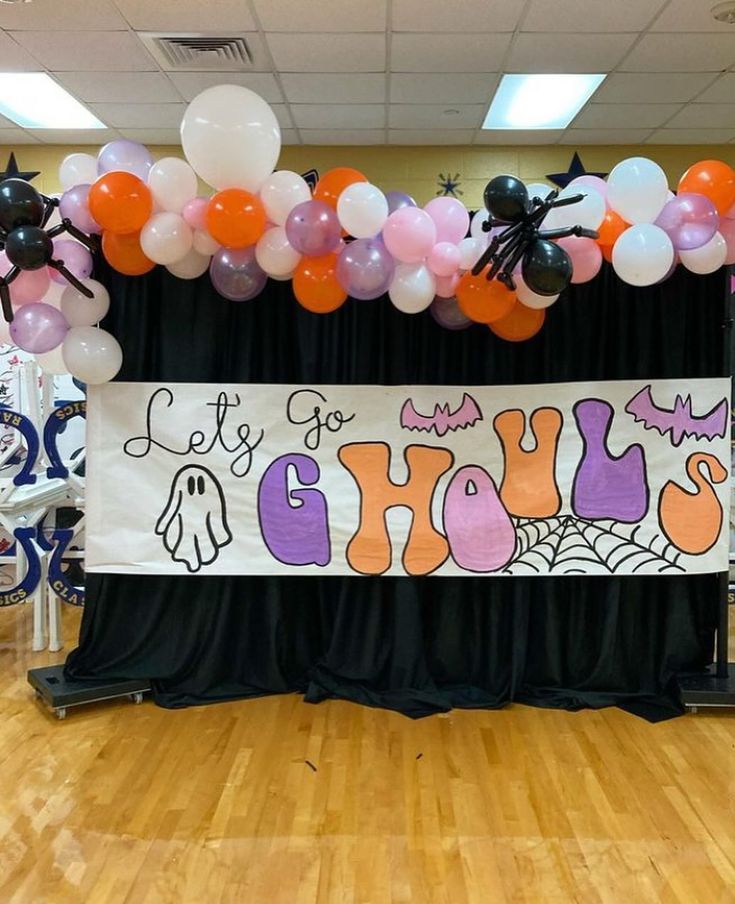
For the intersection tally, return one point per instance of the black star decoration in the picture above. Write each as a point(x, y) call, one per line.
point(576, 168)
point(12, 171)
point(449, 185)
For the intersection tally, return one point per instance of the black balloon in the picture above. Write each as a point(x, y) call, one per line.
point(29, 248)
point(20, 205)
point(546, 268)
point(506, 199)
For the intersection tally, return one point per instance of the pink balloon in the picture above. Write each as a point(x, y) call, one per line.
point(444, 258)
point(446, 286)
point(29, 286)
point(585, 255)
point(727, 231)
point(451, 219)
point(593, 182)
point(409, 234)
point(195, 213)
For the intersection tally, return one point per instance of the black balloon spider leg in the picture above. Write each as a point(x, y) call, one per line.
point(66, 225)
point(5, 282)
point(565, 231)
point(70, 278)
point(51, 205)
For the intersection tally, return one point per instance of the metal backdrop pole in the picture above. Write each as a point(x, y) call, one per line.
point(723, 620)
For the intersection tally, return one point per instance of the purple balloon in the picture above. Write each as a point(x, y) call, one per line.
point(236, 275)
point(365, 269)
point(128, 156)
point(38, 328)
point(690, 220)
point(447, 313)
point(313, 229)
point(76, 258)
point(398, 199)
point(74, 206)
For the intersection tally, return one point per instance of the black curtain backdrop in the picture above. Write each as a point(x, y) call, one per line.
point(415, 645)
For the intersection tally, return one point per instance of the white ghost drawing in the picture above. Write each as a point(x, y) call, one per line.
point(193, 525)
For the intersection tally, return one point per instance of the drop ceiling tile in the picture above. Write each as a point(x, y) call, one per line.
point(589, 15)
point(690, 16)
point(140, 116)
point(290, 136)
point(342, 136)
point(6, 123)
point(430, 136)
point(88, 51)
point(604, 136)
point(334, 88)
point(338, 116)
point(189, 84)
point(170, 137)
point(691, 136)
point(651, 87)
point(10, 137)
point(705, 116)
point(624, 116)
point(68, 15)
point(328, 52)
point(721, 92)
point(432, 116)
point(447, 52)
point(467, 15)
point(260, 60)
point(178, 16)
point(14, 58)
point(119, 87)
point(443, 88)
point(568, 52)
point(324, 16)
point(518, 136)
point(283, 115)
point(681, 53)
point(96, 137)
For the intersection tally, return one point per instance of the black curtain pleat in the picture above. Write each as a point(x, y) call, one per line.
point(416, 645)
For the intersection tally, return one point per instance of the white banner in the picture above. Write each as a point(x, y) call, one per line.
point(625, 477)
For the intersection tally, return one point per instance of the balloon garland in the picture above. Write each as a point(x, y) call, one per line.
point(345, 238)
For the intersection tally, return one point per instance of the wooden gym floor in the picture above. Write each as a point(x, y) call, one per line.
point(123, 803)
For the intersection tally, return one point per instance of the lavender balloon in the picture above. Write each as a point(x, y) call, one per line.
point(76, 258)
point(398, 199)
point(313, 229)
point(690, 220)
point(74, 206)
point(447, 313)
point(38, 328)
point(365, 269)
point(236, 275)
point(128, 156)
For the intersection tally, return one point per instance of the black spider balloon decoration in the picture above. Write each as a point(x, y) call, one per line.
point(546, 267)
point(28, 245)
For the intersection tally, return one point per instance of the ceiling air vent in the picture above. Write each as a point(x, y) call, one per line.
point(203, 53)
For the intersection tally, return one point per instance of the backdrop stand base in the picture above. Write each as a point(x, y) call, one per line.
point(707, 689)
point(59, 693)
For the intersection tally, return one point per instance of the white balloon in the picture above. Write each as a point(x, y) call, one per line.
point(476, 230)
point(77, 169)
point(82, 311)
point(281, 192)
point(529, 298)
point(53, 362)
point(173, 183)
point(190, 266)
point(413, 288)
point(470, 251)
point(637, 190)
point(231, 137)
point(275, 254)
point(642, 255)
point(539, 190)
point(92, 355)
point(204, 243)
point(708, 258)
point(589, 212)
point(284, 278)
point(166, 238)
point(362, 209)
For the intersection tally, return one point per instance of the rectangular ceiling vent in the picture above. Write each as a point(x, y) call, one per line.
point(200, 53)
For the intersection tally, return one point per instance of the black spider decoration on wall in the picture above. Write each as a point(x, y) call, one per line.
point(24, 213)
point(545, 266)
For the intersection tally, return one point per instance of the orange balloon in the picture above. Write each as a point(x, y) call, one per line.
point(124, 254)
point(483, 300)
point(315, 284)
point(120, 202)
point(520, 324)
point(611, 228)
point(607, 252)
point(235, 218)
point(334, 182)
point(713, 179)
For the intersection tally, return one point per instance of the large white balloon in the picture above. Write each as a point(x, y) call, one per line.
point(275, 254)
point(231, 137)
point(642, 255)
point(637, 190)
point(281, 192)
point(470, 251)
point(173, 183)
point(539, 190)
point(77, 169)
point(192, 265)
point(528, 297)
point(362, 209)
point(413, 288)
point(708, 257)
point(589, 212)
point(166, 238)
point(476, 230)
point(53, 362)
point(82, 311)
point(92, 355)
point(204, 243)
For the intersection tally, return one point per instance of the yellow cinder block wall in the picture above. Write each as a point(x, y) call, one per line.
point(416, 169)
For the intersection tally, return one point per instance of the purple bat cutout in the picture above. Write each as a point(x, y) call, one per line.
point(678, 422)
point(442, 420)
